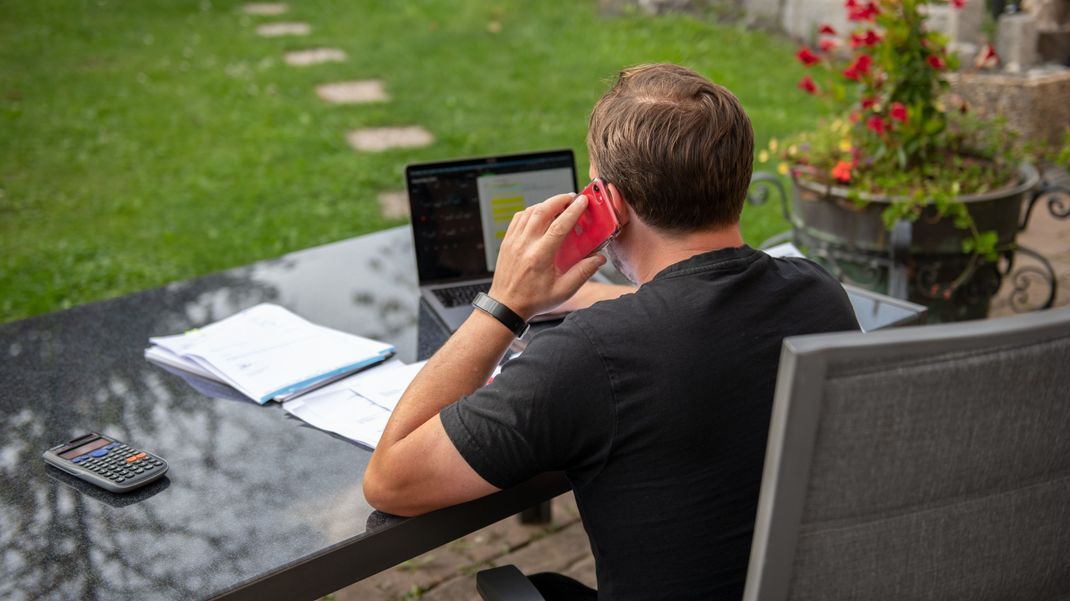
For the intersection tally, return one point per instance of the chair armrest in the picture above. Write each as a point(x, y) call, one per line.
point(506, 584)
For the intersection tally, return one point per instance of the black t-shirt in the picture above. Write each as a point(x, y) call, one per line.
point(656, 405)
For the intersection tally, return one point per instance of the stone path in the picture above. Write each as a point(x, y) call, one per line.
point(314, 56)
point(352, 92)
point(275, 30)
point(378, 139)
point(448, 573)
point(266, 8)
point(394, 205)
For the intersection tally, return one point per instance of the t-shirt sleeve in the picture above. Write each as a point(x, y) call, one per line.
point(550, 409)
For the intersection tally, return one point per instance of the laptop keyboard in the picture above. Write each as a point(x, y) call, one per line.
point(460, 295)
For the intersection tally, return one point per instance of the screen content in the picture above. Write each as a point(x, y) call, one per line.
point(87, 447)
point(460, 211)
point(502, 196)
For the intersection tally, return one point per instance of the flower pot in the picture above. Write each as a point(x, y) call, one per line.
point(921, 261)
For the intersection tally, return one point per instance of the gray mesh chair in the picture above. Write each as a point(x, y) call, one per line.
point(921, 463)
point(917, 463)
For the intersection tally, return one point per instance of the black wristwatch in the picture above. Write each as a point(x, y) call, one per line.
point(507, 316)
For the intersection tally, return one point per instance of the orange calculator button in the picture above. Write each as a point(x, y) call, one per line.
point(135, 457)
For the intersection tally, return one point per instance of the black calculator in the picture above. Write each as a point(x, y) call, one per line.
point(106, 462)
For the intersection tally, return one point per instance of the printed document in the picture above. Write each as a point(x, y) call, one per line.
point(267, 352)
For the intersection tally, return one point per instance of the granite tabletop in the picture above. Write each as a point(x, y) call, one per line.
point(249, 489)
point(256, 504)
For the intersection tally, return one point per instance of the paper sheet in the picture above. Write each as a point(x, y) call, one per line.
point(359, 406)
point(342, 412)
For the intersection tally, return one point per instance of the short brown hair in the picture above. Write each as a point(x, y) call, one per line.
point(679, 147)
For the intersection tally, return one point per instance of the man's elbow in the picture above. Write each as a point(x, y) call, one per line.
point(386, 492)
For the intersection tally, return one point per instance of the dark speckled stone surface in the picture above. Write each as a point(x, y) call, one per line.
point(256, 504)
point(249, 489)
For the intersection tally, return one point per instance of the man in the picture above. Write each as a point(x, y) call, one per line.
point(656, 403)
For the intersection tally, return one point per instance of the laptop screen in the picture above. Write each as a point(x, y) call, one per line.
point(461, 209)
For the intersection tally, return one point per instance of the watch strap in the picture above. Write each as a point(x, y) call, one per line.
point(502, 313)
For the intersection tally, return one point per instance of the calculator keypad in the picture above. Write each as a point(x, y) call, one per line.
point(118, 462)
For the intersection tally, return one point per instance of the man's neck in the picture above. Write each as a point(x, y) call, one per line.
point(660, 250)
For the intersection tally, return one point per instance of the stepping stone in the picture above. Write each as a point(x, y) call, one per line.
point(352, 92)
point(266, 8)
point(314, 56)
point(378, 139)
point(275, 30)
point(394, 205)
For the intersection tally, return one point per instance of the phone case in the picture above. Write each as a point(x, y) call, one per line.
point(596, 227)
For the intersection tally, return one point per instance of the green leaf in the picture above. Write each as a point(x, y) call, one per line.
point(983, 244)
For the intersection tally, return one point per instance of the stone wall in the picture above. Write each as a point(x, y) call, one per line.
point(1036, 103)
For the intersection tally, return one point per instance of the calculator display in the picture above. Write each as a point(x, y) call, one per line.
point(89, 446)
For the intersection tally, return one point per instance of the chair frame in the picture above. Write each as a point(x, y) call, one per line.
point(804, 363)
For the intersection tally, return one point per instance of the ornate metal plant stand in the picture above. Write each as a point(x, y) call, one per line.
point(921, 262)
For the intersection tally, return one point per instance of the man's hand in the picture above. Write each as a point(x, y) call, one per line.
point(416, 468)
point(525, 278)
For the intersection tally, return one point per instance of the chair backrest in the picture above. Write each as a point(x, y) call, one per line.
point(919, 463)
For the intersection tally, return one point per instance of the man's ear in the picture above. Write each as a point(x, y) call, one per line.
point(620, 206)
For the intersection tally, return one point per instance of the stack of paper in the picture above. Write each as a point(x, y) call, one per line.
point(267, 352)
point(359, 406)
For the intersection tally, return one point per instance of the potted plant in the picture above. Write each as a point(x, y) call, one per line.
point(903, 191)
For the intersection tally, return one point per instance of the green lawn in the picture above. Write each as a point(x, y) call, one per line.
point(148, 141)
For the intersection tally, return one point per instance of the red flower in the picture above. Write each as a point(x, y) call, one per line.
point(935, 62)
point(898, 112)
point(807, 85)
point(827, 44)
point(826, 30)
point(807, 56)
point(861, 12)
point(858, 68)
point(877, 125)
point(958, 3)
point(842, 171)
point(870, 38)
point(869, 102)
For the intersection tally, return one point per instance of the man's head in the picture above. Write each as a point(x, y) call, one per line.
point(680, 148)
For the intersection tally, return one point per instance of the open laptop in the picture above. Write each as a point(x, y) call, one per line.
point(460, 210)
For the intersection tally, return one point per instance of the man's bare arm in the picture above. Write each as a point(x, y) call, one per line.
point(415, 468)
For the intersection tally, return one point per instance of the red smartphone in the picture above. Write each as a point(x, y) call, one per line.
point(597, 226)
